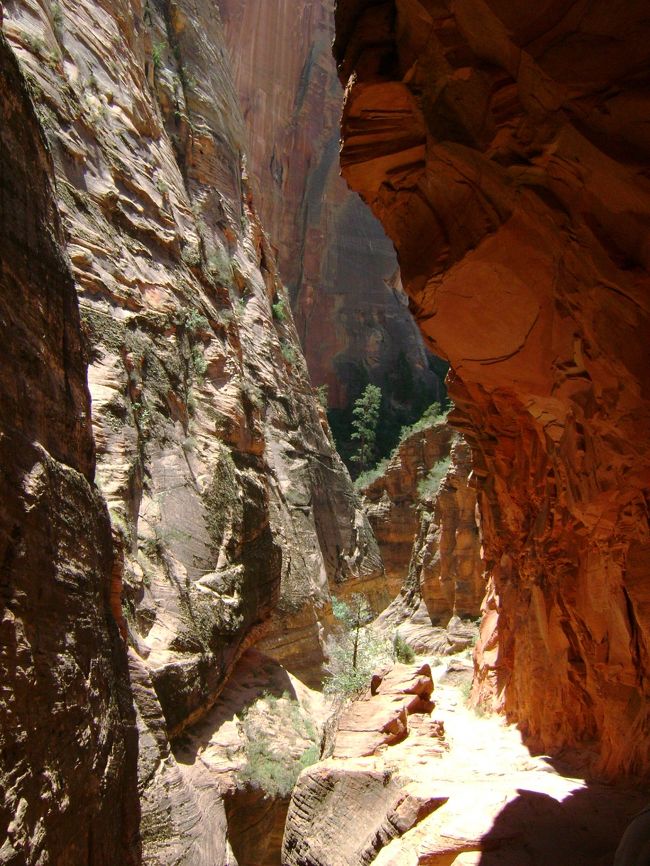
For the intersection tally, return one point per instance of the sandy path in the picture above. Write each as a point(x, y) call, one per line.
point(505, 807)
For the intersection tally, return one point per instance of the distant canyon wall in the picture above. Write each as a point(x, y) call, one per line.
point(350, 309)
point(423, 510)
point(505, 147)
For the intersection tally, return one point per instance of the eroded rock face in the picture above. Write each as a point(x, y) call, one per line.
point(250, 748)
point(68, 747)
point(392, 499)
point(423, 511)
point(351, 311)
point(231, 512)
point(504, 148)
point(345, 809)
point(459, 790)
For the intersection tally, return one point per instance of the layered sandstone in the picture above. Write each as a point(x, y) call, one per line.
point(391, 500)
point(458, 790)
point(250, 747)
point(422, 508)
point(231, 512)
point(351, 312)
point(447, 565)
point(504, 147)
point(68, 747)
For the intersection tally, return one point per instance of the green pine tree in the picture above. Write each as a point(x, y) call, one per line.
point(365, 417)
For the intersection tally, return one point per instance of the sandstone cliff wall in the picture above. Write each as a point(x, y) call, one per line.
point(231, 512)
point(504, 146)
point(68, 746)
point(423, 511)
point(391, 500)
point(333, 255)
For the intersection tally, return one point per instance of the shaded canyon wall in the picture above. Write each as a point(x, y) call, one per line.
point(505, 149)
point(333, 255)
point(68, 745)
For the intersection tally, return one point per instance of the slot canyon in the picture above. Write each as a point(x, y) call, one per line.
point(324, 432)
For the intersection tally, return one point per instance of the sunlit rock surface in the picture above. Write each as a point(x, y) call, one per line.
point(422, 509)
point(455, 789)
point(231, 513)
point(504, 147)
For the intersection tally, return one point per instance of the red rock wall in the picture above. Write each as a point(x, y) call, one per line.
point(68, 748)
point(391, 500)
point(504, 146)
point(333, 255)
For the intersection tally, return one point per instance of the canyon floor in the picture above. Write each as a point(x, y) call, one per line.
point(476, 797)
point(507, 806)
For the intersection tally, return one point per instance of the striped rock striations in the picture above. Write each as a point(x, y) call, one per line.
point(68, 745)
point(350, 309)
point(231, 512)
point(504, 146)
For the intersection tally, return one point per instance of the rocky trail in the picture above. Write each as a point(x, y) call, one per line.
point(192, 307)
point(521, 809)
point(474, 797)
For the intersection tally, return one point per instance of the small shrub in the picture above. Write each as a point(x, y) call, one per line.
point(271, 763)
point(279, 312)
point(157, 53)
point(252, 393)
point(199, 363)
point(188, 81)
point(322, 395)
point(57, 18)
point(193, 321)
point(403, 652)
point(466, 690)
point(357, 651)
point(429, 485)
point(371, 475)
point(219, 266)
point(288, 352)
point(224, 318)
point(35, 44)
point(221, 497)
point(434, 414)
point(191, 255)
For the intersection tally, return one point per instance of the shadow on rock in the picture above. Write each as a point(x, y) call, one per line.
point(255, 675)
point(582, 830)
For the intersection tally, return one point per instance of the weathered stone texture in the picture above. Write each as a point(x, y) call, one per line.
point(423, 511)
point(231, 511)
point(351, 311)
point(459, 790)
point(68, 746)
point(504, 147)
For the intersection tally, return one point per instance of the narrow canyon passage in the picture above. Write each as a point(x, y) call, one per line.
point(469, 795)
point(324, 526)
point(524, 809)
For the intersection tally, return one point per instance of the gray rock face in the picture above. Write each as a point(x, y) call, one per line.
point(68, 744)
point(231, 513)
